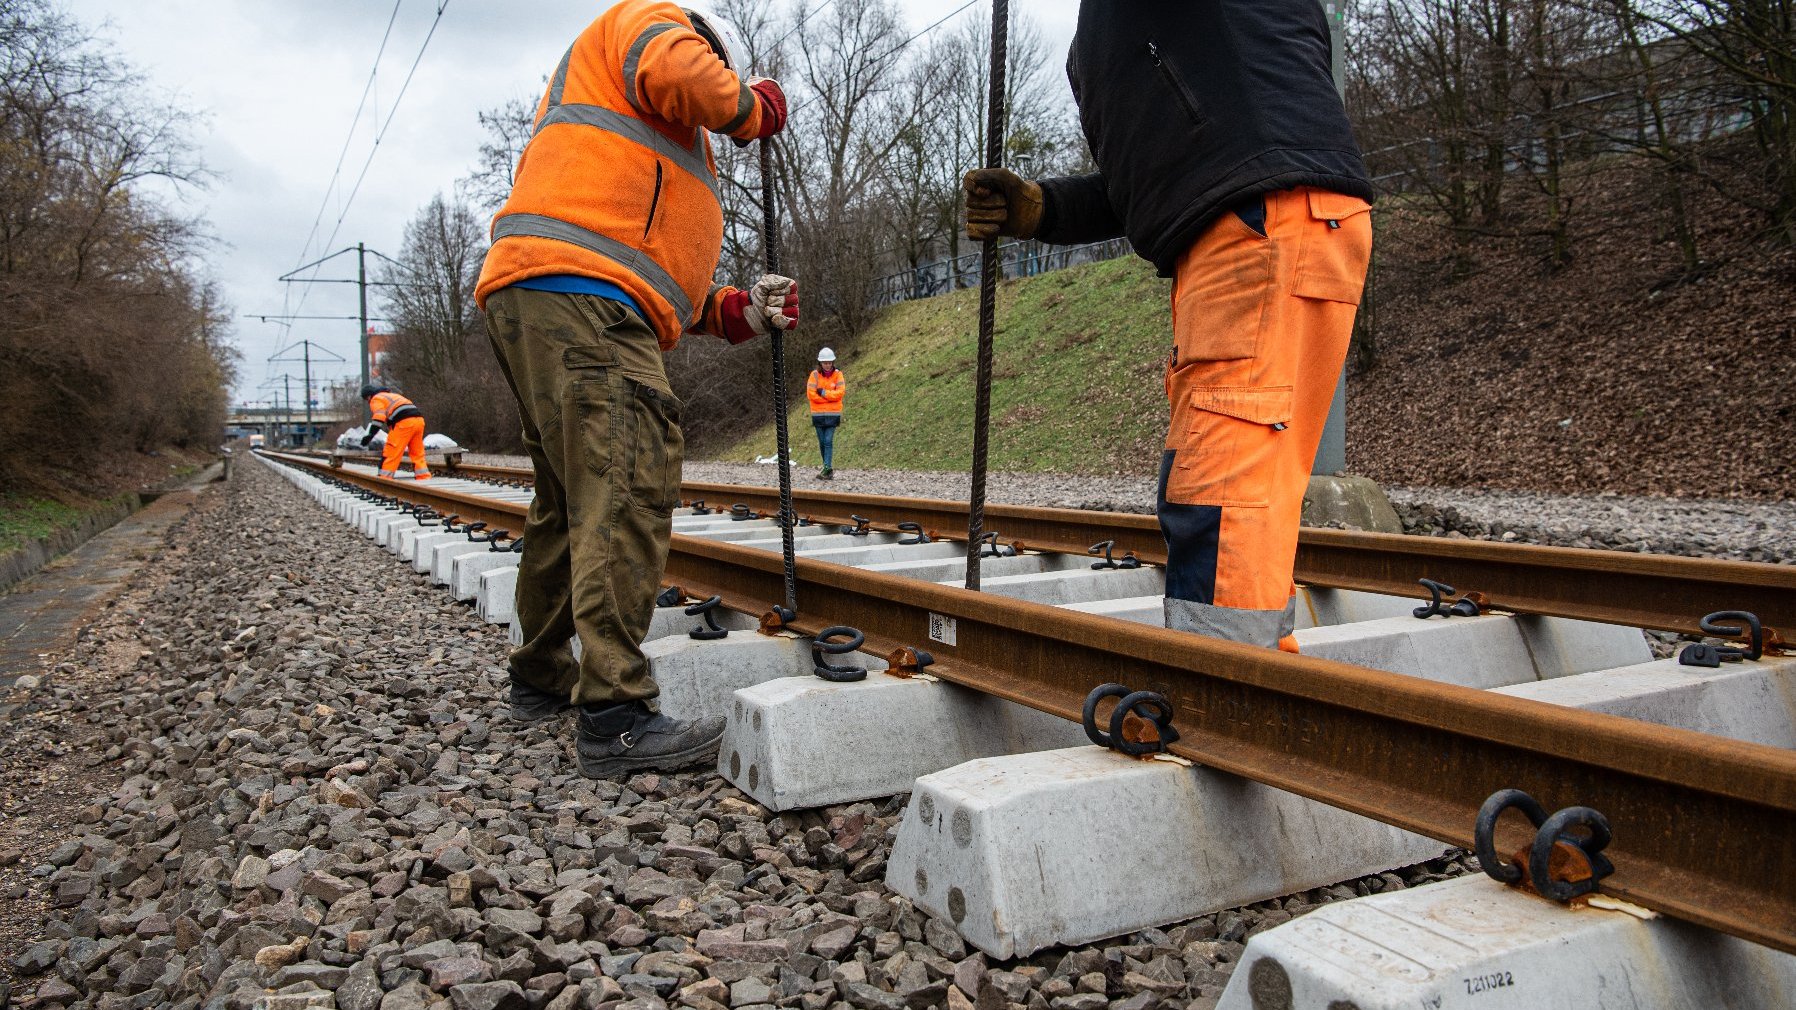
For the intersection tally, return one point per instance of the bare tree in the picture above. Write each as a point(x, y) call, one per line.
point(508, 126)
point(113, 339)
point(439, 353)
point(1751, 46)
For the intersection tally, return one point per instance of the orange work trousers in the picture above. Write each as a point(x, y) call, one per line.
point(1261, 315)
point(406, 438)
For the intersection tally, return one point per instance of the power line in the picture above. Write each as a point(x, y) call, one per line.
point(801, 22)
point(382, 133)
point(367, 89)
point(900, 47)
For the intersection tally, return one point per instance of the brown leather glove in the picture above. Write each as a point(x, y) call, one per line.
point(1001, 202)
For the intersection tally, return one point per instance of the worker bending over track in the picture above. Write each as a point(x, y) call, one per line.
point(825, 390)
point(602, 257)
point(405, 430)
point(1225, 156)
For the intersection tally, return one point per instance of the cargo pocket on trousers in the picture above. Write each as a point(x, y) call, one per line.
point(589, 404)
point(588, 409)
point(1337, 246)
point(657, 447)
point(1226, 442)
point(1222, 288)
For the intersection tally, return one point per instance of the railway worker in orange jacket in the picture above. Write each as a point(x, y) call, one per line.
point(602, 257)
point(404, 423)
point(825, 390)
point(1224, 154)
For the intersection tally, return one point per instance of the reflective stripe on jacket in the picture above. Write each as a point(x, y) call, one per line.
point(825, 392)
point(389, 408)
point(618, 181)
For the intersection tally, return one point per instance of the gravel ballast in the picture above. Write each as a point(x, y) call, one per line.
point(278, 774)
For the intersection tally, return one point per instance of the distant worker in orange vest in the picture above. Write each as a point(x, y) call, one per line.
point(405, 430)
point(825, 391)
point(602, 257)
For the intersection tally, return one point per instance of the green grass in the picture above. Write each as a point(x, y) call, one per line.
point(23, 520)
point(1077, 379)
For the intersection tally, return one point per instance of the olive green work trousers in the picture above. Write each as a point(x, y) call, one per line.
point(603, 431)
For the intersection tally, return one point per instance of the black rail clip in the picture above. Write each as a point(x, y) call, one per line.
point(1129, 560)
point(826, 644)
point(1465, 607)
point(915, 528)
point(1150, 706)
point(862, 526)
point(710, 632)
point(1712, 656)
point(672, 596)
point(991, 548)
point(740, 513)
point(698, 507)
point(1576, 835)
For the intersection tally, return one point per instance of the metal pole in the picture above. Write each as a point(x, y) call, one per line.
point(361, 280)
point(307, 344)
point(770, 247)
point(988, 294)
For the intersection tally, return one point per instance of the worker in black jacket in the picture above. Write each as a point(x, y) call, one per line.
point(1224, 154)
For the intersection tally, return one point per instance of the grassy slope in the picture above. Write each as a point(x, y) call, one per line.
point(1077, 390)
point(23, 520)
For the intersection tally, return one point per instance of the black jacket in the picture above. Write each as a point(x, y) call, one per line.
point(1193, 107)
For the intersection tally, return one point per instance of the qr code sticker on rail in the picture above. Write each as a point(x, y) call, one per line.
point(941, 629)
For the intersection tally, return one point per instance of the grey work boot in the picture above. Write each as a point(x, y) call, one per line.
point(533, 704)
point(629, 737)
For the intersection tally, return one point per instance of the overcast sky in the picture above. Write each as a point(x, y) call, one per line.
point(278, 82)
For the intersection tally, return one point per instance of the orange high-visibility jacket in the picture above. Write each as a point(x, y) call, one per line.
point(618, 181)
point(825, 392)
point(389, 408)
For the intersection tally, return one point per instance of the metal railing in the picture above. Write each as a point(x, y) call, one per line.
point(1016, 259)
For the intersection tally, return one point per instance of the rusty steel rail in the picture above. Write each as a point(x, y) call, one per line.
point(1657, 591)
point(1702, 824)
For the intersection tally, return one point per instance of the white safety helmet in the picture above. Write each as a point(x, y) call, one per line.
point(826, 355)
point(721, 33)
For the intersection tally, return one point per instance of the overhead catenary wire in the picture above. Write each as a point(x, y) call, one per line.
point(988, 294)
point(381, 134)
point(900, 47)
point(349, 137)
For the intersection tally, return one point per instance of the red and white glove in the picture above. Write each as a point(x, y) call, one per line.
point(772, 302)
point(773, 105)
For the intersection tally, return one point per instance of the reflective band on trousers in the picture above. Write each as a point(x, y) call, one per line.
point(691, 159)
point(652, 273)
point(1254, 627)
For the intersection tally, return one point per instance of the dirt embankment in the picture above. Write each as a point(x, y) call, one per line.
point(1611, 374)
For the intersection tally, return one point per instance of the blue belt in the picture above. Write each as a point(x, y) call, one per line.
point(575, 284)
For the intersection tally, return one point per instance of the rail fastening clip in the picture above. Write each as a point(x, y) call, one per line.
point(825, 644)
point(1129, 560)
point(1712, 656)
point(710, 632)
point(1564, 861)
point(1149, 708)
point(1467, 606)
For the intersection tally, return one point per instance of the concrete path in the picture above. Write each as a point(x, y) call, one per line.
point(41, 615)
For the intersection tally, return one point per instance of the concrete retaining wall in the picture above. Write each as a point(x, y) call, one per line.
point(18, 565)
